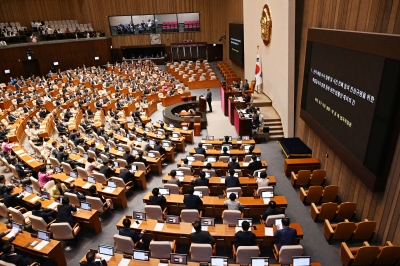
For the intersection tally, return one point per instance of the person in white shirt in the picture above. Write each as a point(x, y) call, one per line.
point(263, 181)
point(232, 203)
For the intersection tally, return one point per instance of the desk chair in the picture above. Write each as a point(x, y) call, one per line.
point(16, 174)
point(365, 230)
point(364, 255)
point(20, 215)
point(121, 183)
point(243, 254)
point(312, 195)
point(155, 212)
point(388, 254)
point(199, 157)
point(198, 252)
point(186, 170)
point(92, 154)
point(71, 144)
point(98, 205)
point(318, 177)
point(35, 185)
point(286, 253)
point(173, 188)
point(271, 219)
point(204, 189)
point(103, 141)
point(142, 167)
point(260, 190)
point(73, 199)
point(63, 231)
point(231, 216)
point(100, 178)
point(323, 212)
point(162, 249)
point(38, 223)
point(48, 186)
point(224, 159)
point(341, 231)
point(212, 172)
point(330, 193)
point(66, 168)
point(122, 162)
point(123, 244)
point(4, 212)
point(346, 210)
point(232, 189)
point(54, 162)
point(190, 216)
point(82, 173)
point(300, 179)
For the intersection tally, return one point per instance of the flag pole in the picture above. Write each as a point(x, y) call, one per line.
point(257, 87)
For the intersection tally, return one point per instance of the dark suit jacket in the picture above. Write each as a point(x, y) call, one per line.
point(234, 165)
point(64, 214)
point(285, 236)
point(130, 233)
point(209, 96)
point(47, 215)
point(96, 263)
point(159, 200)
point(95, 195)
point(10, 200)
point(270, 211)
point(253, 166)
point(200, 182)
point(126, 175)
point(201, 237)
point(160, 149)
point(192, 202)
point(129, 158)
point(107, 171)
point(141, 160)
point(232, 181)
point(199, 150)
point(3, 242)
point(12, 118)
point(245, 238)
point(16, 259)
point(60, 156)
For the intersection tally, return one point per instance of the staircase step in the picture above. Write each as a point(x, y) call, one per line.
point(274, 133)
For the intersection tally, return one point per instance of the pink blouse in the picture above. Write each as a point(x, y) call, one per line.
point(43, 178)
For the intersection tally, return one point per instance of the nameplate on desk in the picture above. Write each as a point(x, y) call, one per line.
point(31, 161)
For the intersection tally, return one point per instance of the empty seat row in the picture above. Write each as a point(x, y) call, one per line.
point(316, 194)
point(346, 230)
point(331, 210)
point(306, 178)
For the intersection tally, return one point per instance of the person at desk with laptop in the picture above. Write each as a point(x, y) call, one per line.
point(173, 179)
point(127, 231)
point(46, 214)
point(192, 201)
point(9, 255)
point(93, 193)
point(286, 235)
point(255, 164)
point(58, 189)
point(232, 180)
point(199, 236)
point(93, 258)
point(245, 237)
point(108, 169)
point(157, 198)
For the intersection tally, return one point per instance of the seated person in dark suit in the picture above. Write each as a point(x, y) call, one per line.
point(256, 119)
point(250, 150)
point(192, 201)
point(140, 158)
point(12, 118)
point(271, 210)
point(11, 239)
point(72, 135)
point(157, 198)
point(254, 165)
point(65, 212)
point(108, 169)
point(158, 147)
point(225, 152)
point(201, 237)
point(245, 237)
point(93, 193)
point(11, 256)
point(246, 98)
point(126, 174)
point(93, 149)
point(128, 157)
point(11, 199)
point(3, 186)
point(286, 235)
point(234, 164)
point(200, 149)
point(93, 259)
point(60, 154)
point(46, 214)
point(232, 181)
point(72, 190)
point(61, 128)
point(127, 231)
point(226, 140)
point(202, 181)
point(69, 161)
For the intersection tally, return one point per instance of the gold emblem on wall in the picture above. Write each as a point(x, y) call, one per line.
point(266, 25)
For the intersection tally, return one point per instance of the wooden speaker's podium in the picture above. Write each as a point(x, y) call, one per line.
point(202, 104)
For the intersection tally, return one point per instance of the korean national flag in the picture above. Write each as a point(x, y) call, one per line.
point(258, 71)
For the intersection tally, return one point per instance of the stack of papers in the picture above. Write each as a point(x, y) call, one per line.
point(34, 199)
point(266, 200)
point(87, 185)
point(108, 190)
point(12, 233)
point(41, 245)
point(222, 180)
point(181, 178)
point(69, 179)
point(245, 164)
point(125, 262)
point(158, 227)
point(53, 205)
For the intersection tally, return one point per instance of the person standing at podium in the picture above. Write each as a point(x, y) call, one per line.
point(209, 99)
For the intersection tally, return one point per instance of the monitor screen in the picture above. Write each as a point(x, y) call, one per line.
point(166, 144)
point(135, 152)
point(7, 71)
point(57, 169)
point(17, 227)
point(241, 220)
point(43, 235)
point(218, 261)
point(45, 194)
point(99, 160)
point(85, 155)
point(151, 155)
point(120, 148)
point(247, 147)
point(207, 221)
point(178, 258)
point(198, 193)
point(172, 219)
point(175, 135)
point(111, 183)
point(139, 216)
point(98, 141)
point(267, 194)
point(211, 159)
point(91, 179)
point(116, 164)
point(160, 132)
point(74, 151)
point(55, 63)
point(185, 128)
point(86, 206)
point(260, 261)
point(133, 167)
point(140, 255)
point(139, 138)
point(164, 191)
point(245, 138)
point(210, 138)
point(179, 173)
point(301, 261)
point(73, 174)
point(171, 125)
point(208, 175)
point(106, 250)
point(147, 129)
point(108, 145)
point(96, 58)
point(29, 189)
point(152, 142)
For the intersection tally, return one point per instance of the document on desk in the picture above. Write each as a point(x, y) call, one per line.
point(53, 205)
point(31, 161)
point(124, 262)
point(239, 142)
point(87, 185)
point(222, 180)
point(20, 151)
point(12, 233)
point(136, 224)
point(269, 231)
point(68, 180)
point(181, 178)
point(34, 199)
point(266, 200)
point(41, 245)
point(81, 160)
point(158, 227)
point(125, 139)
point(203, 141)
point(108, 190)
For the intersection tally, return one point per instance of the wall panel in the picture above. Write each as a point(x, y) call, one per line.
point(381, 16)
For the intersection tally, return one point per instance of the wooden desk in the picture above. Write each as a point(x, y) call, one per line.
point(27, 158)
point(5, 104)
point(295, 165)
point(235, 142)
point(217, 187)
point(233, 152)
point(232, 105)
point(225, 94)
point(179, 142)
point(118, 196)
point(170, 100)
point(151, 108)
point(187, 134)
point(214, 206)
point(52, 251)
point(243, 126)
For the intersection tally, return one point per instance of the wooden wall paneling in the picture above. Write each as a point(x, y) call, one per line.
point(353, 14)
point(363, 13)
point(396, 29)
point(383, 16)
point(392, 18)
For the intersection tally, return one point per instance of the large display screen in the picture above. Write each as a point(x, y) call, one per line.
point(236, 44)
point(350, 98)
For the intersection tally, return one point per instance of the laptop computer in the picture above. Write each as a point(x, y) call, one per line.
point(179, 173)
point(147, 129)
point(164, 191)
point(241, 220)
point(57, 169)
point(74, 151)
point(106, 252)
point(152, 142)
point(218, 261)
point(267, 194)
point(210, 138)
point(135, 152)
point(29, 189)
point(172, 219)
point(166, 144)
point(91, 179)
point(208, 175)
point(151, 155)
point(44, 194)
point(207, 221)
point(260, 261)
point(16, 227)
point(178, 258)
point(111, 183)
point(43, 235)
point(86, 206)
point(211, 159)
point(99, 160)
point(140, 255)
point(85, 155)
point(301, 261)
point(120, 148)
point(98, 141)
point(133, 167)
point(73, 174)
point(198, 193)
point(139, 139)
point(116, 164)
point(171, 125)
point(245, 138)
point(191, 158)
point(175, 135)
point(185, 128)
point(160, 132)
point(139, 216)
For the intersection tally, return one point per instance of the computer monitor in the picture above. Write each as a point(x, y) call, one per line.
point(74, 151)
point(98, 141)
point(245, 138)
point(120, 148)
point(118, 132)
point(86, 206)
point(267, 194)
point(210, 138)
point(229, 138)
point(127, 136)
point(116, 164)
point(44, 194)
point(17, 227)
point(191, 158)
point(139, 139)
point(171, 125)
point(139, 216)
point(166, 144)
point(172, 219)
point(179, 173)
point(164, 191)
point(43, 235)
point(260, 261)
point(207, 221)
point(175, 135)
point(151, 155)
point(198, 193)
point(111, 183)
point(178, 258)
point(241, 220)
point(208, 174)
point(247, 147)
point(235, 192)
point(91, 179)
point(135, 152)
point(29, 189)
point(106, 250)
point(99, 160)
point(73, 174)
point(57, 169)
point(133, 167)
point(85, 155)
point(160, 132)
point(140, 255)
point(147, 129)
point(218, 261)
point(185, 128)
point(211, 159)
point(152, 142)
point(108, 145)
point(301, 261)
